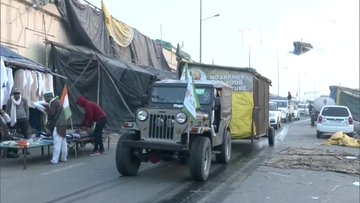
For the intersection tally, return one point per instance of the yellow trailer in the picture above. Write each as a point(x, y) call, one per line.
point(250, 97)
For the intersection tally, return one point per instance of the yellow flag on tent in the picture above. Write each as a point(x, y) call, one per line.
point(121, 33)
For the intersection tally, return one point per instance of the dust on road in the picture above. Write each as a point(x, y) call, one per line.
point(316, 159)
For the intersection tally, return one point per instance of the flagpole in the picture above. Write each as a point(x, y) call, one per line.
point(71, 124)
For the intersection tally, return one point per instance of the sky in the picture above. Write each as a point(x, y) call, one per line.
point(260, 34)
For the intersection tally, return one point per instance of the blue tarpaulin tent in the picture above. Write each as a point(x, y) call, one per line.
point(13, 59)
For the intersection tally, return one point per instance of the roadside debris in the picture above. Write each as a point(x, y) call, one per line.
point(316, 159)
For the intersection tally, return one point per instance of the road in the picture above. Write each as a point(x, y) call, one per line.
point(246, 179)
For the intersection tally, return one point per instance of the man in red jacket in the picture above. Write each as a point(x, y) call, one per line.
point(93, 114)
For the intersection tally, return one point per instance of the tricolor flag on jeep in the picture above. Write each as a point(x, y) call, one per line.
point(191, 102)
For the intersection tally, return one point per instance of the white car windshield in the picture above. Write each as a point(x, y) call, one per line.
point(272, 107)
point(335, 111)
point(281, 104)
point(302, 106)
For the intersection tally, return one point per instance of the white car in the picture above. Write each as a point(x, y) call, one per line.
point(303, 109)
point(334, 118)
point(274, 115)
point(282, 107)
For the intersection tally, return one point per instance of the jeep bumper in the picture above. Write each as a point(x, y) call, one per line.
point(155, 145)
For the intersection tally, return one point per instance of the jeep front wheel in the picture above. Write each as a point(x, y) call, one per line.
point(126, 161)
point(200, 158)
point(225, 149)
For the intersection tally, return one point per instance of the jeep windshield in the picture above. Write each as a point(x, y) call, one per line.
point(176, 95)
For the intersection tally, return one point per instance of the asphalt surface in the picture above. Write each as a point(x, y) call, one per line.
point(246, 179)
point(275, 185)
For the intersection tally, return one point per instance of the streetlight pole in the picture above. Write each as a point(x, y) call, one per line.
point(201, 19)
point(278, 73)
point(200, 31)
point(299, 87)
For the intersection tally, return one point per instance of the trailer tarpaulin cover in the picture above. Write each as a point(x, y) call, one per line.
point(347, 97)
point(118, 87)
point(242, 112)
point(86, 26)
point(245, 96)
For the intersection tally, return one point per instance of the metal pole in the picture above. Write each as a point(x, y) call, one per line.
point(249, 57)
point(299, 86)
point(278, 73)
point(200, 31)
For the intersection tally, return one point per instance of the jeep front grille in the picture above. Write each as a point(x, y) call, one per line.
point(161, 126)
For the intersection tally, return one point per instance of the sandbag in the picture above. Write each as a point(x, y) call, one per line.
point(339, 138)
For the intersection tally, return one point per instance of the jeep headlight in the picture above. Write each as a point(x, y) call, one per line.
point(142, 115)
point(181, 118)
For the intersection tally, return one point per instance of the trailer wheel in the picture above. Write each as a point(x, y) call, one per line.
point(271, 136)
point(200, 158)
point(126, 161)
point(225, 149)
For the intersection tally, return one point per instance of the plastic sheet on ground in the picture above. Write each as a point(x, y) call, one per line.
point(339, 138)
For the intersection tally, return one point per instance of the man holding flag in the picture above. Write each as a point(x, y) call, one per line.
point(56, 124)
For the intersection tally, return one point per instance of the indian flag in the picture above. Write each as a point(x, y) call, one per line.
point(64, 100)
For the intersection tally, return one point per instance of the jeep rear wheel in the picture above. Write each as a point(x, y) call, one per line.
point(225, 149)
point(200, 158)
point(126, 161)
